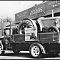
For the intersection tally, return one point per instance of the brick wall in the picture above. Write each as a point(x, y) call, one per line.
point(37, 11)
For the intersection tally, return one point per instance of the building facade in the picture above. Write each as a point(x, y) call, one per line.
point(44, 9)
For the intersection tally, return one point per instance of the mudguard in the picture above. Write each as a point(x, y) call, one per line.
point(41, 47)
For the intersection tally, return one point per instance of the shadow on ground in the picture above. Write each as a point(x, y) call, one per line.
point(28, 55)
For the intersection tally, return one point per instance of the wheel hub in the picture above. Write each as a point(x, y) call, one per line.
point(35, 51)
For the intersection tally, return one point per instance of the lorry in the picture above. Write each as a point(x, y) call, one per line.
point(39, 37)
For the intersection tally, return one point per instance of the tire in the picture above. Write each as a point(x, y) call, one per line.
point(35, 51)
point(53, 29)
point(24, 24)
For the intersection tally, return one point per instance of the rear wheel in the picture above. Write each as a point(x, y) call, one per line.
point(35, 51)
point(53, 29)
point(27, 23)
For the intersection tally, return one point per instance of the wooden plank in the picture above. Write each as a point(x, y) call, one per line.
point(48, 37)
point(18, 38)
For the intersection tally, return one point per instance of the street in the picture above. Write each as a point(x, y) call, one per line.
point(26, 55)
point(11, 55)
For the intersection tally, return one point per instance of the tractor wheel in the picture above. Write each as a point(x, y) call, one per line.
point(53, 29)
point(35, 51)
point(24, 24)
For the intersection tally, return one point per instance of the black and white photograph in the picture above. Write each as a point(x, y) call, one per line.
point(30, 30)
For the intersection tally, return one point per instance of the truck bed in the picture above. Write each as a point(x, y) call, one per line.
point(49, 37)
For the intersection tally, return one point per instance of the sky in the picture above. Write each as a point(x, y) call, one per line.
point(10, 8)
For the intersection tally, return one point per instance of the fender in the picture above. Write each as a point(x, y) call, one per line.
point(41, 47)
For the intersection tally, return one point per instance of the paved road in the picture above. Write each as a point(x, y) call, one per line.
point(26, 55)
point(11, 55)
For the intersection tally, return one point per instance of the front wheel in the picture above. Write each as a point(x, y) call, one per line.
point(35, 51)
